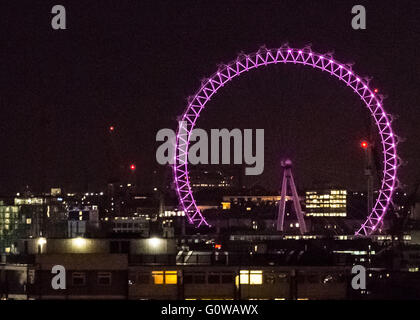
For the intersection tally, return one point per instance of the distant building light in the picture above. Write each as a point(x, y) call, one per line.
point(165, 277)
point(154, 242)
point(251, 277)
point(41, 241)
point(226, 205)
point(79, 242)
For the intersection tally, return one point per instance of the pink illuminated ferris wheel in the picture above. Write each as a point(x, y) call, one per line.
point(306, 57)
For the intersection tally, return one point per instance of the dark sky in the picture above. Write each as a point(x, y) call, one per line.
point(133, 64)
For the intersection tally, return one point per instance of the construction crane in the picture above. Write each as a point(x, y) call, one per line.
point(367, 146)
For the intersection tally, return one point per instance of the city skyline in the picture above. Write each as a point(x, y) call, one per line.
point(165, 151)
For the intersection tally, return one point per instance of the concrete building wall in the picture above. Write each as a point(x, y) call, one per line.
point(89, 267)
point(149, 246)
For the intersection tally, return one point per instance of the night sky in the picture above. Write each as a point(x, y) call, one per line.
point(132, 64)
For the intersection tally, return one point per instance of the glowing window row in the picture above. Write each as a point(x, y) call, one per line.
point(326, 214)
point(246, 277)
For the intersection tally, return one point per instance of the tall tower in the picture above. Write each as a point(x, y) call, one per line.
point(367, 147)
point(288, 180)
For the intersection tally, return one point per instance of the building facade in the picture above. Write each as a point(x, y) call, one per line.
point(326, 203)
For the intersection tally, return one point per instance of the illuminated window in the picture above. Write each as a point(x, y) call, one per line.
point(226, 205)
point(164, 277)
point(171, 277)
point(244, 277)
point(253, 277)
point(157, 277)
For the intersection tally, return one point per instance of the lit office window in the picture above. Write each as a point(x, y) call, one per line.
point(171, 277)
point(157, 277)
point(244, 277)
point(253, 277)
point(165, 277)
point(226, 205)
